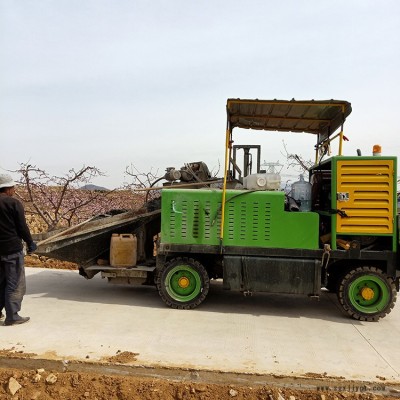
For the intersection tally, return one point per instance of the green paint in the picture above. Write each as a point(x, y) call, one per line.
point(183, 283)
point(253, 219)
point(377, 303)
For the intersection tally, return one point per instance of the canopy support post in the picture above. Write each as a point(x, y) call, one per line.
point(228, 147)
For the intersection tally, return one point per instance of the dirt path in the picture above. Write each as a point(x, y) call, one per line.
point(41, 384)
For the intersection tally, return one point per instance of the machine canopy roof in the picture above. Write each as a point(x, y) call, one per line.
point(320, 117)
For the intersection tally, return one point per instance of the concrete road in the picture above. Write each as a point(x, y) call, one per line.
point(73, 318)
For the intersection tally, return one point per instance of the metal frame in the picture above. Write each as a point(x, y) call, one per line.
point(326, 117)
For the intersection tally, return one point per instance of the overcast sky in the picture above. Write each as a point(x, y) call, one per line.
point(114, 83)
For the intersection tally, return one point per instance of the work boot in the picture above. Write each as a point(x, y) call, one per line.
point(19, 321)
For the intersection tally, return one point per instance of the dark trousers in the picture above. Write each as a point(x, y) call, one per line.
point(12, 284)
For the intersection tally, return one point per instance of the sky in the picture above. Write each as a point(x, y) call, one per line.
point(135, 82)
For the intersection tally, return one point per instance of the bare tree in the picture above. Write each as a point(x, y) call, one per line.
point(58, 200)
point(143, 180)
point(296, 161)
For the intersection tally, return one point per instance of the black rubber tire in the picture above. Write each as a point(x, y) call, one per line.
point(202, 285)
point(377, 274)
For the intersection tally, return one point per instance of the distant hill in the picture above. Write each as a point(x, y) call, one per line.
point(94, 187)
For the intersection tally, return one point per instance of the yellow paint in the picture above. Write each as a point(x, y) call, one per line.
point(367, 293)
point(227, 154)
point(340, 142)
point(327, 143)
point(183, 282)
point(369, 185)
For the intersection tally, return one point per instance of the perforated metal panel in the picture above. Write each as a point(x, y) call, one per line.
point(253, 219)
point(240, 227)
point(365, 192)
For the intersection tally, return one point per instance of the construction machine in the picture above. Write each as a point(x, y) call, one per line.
point(336, 230)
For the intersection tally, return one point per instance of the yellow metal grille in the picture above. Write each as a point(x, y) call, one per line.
point(365, 193)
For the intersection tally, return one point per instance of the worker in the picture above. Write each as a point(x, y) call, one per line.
point(13, 229)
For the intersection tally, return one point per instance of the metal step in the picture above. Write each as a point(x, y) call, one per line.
point(139, 271)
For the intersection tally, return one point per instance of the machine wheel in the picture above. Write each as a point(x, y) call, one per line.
point(367, 294)
point(183, 283)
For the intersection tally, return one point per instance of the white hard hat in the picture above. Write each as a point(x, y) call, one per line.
point(6, 181)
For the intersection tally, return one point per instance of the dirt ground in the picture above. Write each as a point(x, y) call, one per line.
point(44, 262)
point(40, 384)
